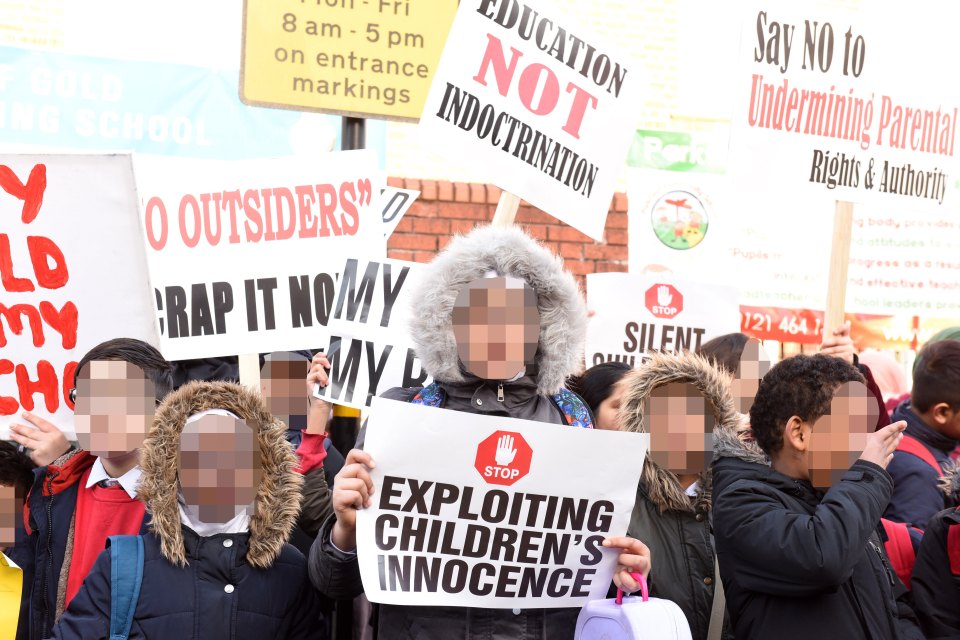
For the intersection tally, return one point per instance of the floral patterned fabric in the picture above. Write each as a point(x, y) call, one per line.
point(573, 408)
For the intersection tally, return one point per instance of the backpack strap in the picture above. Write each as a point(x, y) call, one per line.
point(914, 447)
point(899, 547)
point(126, 575)
point(430, 396)
point(574, 409)
point(953, 548)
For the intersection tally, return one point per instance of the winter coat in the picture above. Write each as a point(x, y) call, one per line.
point(916, 494)
point(509, 252)
point(676, 527)
point(797, 563)
point(247, 585)
point(49, 516)
point(936, 574)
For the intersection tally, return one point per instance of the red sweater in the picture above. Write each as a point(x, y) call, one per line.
point(100, 513)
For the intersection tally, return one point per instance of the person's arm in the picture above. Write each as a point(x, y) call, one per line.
point(317, 504)
point(935, 587)
point(334, 572)
point(88, 616)
point(318, 412)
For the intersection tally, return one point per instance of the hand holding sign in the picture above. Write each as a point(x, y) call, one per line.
point(881, 444)
point(352, 489)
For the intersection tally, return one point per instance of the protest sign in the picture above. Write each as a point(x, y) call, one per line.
point(503, 513)
point(535, 103)
point(244, 255)
point(363, 59)
point(72, 272)
point(835, 119)
point(370, 349)
point(393, 204)
point(637, 314)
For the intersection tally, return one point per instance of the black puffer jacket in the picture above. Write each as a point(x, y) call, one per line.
point(799, 564)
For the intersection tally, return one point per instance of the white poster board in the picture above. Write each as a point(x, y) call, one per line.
point(846, 105)
point(244, 256)
point(370, 349)
point(637, 314)
point(479, 511)
point(73, 274)
point(393, 205)
point(548, 118)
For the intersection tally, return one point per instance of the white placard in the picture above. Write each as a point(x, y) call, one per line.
point(394, 204)
point(479, 511)
point(72, 274)
point(636, 314)
point(547, 117)
point(244, 256)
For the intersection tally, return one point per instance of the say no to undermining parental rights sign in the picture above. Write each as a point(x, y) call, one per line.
point(512, 513)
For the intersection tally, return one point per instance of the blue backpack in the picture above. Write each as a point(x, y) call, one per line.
point(126, 574)
point(571, 406)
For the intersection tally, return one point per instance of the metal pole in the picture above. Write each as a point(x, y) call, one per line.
point(353, 134)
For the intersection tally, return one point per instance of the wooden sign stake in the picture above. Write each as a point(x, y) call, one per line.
point(250, 370)
point(839, 266)
point(506, 210)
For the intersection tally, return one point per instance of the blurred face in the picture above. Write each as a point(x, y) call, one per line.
point(681, 428)
point(754, 364)
point(497, 327)
point(219, 467)
point(115, 406)
point(838, 439)
point(606, 415)
point(11, 507)
point(282, 386)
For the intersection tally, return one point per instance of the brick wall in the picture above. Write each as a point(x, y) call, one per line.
point(448, 208)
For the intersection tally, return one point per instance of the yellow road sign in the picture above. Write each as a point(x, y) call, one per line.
point(365, 58)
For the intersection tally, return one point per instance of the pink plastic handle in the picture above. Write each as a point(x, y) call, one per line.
point(643, 588)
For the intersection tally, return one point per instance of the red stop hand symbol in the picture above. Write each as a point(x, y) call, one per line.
point(503, 458)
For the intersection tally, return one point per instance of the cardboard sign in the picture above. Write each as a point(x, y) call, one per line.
point(841, 105)
point(393, 204)
point(478, 511)
point(73, 274)
point(244, 256)
point(640, 314)
point(536, 103)
point(364, 59)
point(370, 349)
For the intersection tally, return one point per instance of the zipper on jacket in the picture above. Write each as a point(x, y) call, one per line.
point(883, 563)
point(500, 392)
point(48, 570)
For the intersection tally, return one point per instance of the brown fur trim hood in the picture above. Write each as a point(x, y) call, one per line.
point(662, 485)
point(277, 502)
point(950, 482)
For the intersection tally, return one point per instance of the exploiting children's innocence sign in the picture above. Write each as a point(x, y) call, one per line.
point(512, 513)
point(545, 109)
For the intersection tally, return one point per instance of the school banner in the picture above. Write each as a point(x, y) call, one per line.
point(638, 314)
point(537, 104)
point(244, 256)
point(370, 349)
point(846, 105)
point(504, 513)
point(72, 274)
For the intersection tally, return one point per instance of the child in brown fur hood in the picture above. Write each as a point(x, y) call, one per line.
point(219, 482)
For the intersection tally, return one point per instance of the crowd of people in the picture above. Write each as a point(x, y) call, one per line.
point(780, 501)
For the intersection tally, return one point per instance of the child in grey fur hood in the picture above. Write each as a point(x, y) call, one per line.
point(499, 327)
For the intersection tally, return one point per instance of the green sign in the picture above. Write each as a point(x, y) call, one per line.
point(675, 151)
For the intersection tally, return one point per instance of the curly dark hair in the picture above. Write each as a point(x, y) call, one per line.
point(16, 468)
point(801, 386)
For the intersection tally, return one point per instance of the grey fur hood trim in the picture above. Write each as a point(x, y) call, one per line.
point(509, 252)
point(950, 482)
point(661, 485)
point(277, 502)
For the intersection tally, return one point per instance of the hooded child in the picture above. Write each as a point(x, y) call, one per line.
point(220, 485)
point(499, 326)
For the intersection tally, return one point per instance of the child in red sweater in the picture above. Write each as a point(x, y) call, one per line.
point(89, 494)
